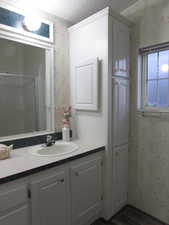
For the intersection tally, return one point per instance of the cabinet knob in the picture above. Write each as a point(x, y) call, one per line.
point(76, 174)
point(62, 180)
point(29, 193)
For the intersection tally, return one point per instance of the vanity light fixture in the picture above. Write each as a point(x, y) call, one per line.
point(32, 22)
point(165, 68)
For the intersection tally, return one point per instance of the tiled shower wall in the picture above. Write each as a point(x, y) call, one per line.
point(149, 136)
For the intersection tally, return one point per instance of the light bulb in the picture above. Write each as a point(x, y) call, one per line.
point(32, 22)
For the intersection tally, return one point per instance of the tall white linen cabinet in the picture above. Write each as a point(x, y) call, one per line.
point(100, 80)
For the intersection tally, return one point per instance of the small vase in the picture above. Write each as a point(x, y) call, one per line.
point(66, 134)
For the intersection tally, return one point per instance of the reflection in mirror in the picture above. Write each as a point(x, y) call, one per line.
point(22, 88)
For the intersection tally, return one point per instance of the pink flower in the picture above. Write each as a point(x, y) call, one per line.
point(66, 115)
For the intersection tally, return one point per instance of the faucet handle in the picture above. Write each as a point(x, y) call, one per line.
point(48, 138)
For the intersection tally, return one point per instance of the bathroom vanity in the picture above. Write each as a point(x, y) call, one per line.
point(65, 190)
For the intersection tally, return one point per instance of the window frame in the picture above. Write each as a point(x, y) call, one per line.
point(143, 61)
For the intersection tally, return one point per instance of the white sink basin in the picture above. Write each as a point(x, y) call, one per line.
point(58, 149)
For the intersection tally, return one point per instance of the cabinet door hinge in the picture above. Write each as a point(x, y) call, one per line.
point(101, 197)
point(29, 193)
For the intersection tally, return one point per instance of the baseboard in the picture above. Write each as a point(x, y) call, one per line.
point(128, 205)
point(108, 221)
point(154, 218)
point(105, 221)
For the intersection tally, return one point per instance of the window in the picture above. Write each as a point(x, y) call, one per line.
point(155, 77)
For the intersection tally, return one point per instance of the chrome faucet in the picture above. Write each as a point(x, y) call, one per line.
point(49, 141)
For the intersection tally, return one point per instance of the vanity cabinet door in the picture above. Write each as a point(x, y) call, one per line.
point(120, 185)
point(85, 191)
point(50, 199)
point(121, 49)
point(14, 204)
point(120, 106)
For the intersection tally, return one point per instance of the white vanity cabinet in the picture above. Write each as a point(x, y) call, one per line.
point(120, 112)
point(49, 194)
point(86, 190)
point(14, 204)
point(106, 36)
point(67, 194)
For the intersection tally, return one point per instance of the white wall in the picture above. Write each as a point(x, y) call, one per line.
point(149, 137)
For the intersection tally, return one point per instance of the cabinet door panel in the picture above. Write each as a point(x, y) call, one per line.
point(86, 85)
point(49, 200)
point(120, 111)
point(13, 197)
point(19, 216)
point(14, 204)
point(85, 190)
point(120, 176)
point(121, 49)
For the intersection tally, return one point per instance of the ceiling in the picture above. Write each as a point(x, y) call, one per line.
point(76, 10)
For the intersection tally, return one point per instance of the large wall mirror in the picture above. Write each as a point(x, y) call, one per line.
point(25, 88)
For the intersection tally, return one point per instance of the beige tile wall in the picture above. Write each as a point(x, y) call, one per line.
point(61, 62)
point(149, 137)
point(61, 65)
